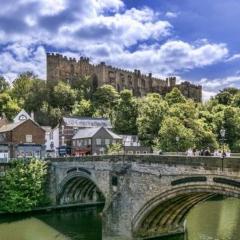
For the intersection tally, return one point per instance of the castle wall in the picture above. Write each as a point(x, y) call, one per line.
point(60, 68)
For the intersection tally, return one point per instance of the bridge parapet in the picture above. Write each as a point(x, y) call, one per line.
point(207, 163)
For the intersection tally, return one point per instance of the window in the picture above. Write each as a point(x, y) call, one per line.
point(98, 141)
point(137, 152)
point(28, 138)
point(113, 141)
point(107, 141)
point(89, 141)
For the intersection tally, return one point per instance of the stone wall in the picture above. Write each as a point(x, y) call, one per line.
point(60, 68)
point(143, 182)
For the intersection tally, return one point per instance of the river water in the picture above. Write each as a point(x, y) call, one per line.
point(211, 220)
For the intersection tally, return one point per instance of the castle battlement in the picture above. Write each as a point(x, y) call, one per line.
point(63, 68)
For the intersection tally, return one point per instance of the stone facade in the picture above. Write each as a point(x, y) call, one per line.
point(137, 187)
point(60, 68)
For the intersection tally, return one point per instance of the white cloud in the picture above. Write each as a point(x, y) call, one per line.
point(171, 14)
point(206, 95)
point(103, 30)
point(170, 57)
point(212, 86)
point(233, 58)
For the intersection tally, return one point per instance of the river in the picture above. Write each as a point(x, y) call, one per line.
point(211, 220)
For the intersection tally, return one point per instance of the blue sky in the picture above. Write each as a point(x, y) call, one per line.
point(197, 41)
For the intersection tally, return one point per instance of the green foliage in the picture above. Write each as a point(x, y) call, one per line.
point(4, 85)
point(170, 129)
point(23, 186)
point(8, 106)
point(115, 148)
point(125, 114)
point(83, 108)
point(105, 100)
point(152, 109)
point(63, 97)
point(175, 96)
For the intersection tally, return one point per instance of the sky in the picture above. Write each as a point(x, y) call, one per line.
point(196, 41)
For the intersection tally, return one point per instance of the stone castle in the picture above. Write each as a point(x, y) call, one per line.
point(61, 68)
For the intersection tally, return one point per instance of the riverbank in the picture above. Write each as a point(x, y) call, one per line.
point(54, 208)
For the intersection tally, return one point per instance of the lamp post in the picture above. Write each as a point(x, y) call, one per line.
point(177, 140)
point(222, 134)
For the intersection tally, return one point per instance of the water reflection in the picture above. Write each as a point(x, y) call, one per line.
point(211, 220)
point(78, 224)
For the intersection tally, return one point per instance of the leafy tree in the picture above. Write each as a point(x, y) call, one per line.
point(84, 87)
point(125, 114)
point(175, 96)
point(8, 106)
point(22, 87)
point(226, 96)
point(63, 97)
point(4, 85)
point(171, 128)
point(37, 95)
point(236, 100)
point(48, 115)
point(115, 148)
point(152, 109)
point(105, 100)
point(84, 108)
point(23, 186)
point(203, 135)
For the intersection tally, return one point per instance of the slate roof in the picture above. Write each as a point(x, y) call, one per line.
point(87, 122)
point(90, 132)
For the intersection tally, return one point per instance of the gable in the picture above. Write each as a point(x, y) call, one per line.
point(22, 116)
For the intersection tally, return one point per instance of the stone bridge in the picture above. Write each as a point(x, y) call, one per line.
point(145, 196)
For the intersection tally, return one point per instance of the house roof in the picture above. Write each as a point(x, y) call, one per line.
point(90, 132)
point(87, 122)
point(11, 126)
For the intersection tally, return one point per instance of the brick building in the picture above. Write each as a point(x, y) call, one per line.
point(60, 68)
point(69, 126)
point(22, 139)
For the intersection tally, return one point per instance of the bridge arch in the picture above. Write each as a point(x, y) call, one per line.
point(78, 186)
point(166, 213)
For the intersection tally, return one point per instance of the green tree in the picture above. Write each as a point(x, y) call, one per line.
point(175, 96)
point(171, 128)
point(37, 95)
point(8, 106)
point(84, 108)
point(23, 186)
point(4, 85)
point(125, 114)
point(22, 87)
point(105, 100)
point(63, 97)
point(151, 111)
point(226, 96)
point(84, 87)
point(48, 115)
